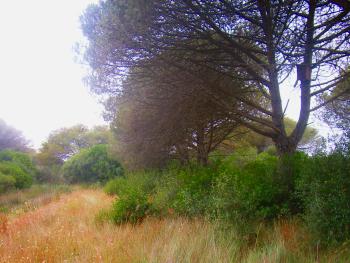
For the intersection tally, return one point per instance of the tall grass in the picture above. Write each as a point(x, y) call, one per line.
point(25, 199)
point(66, 231)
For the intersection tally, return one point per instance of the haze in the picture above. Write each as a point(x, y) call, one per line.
point(41, 86)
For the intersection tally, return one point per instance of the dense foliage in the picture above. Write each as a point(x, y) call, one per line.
point(22, 179)
point(259, 43)
point(23, 160)
point(63, 144)
point(91, 165)
point(243, 189)
point(17, 170)
point(324, 188)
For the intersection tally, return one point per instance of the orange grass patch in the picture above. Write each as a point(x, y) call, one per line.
point(65, 231)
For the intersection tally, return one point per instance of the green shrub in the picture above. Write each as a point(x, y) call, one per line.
point(23, 160)
point(134, 196)
point(324, 187)
point(250, 192)
point(7, 182)
point(131, 208)
point(114, 186)
point(194, 188)
point(22, 179)
point(91, 165)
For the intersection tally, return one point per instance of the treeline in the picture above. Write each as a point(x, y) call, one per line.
point(70, 155)
point(199, 83)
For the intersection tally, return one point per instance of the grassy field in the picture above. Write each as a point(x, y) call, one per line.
point(19, 201)
point(66, 230)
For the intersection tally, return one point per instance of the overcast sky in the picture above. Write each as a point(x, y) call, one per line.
point(41, 86)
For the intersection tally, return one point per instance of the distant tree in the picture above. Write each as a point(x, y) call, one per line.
point(65, 142)
point(62, 145)
point(10, 138)
point(262, 41)
point(91, 165)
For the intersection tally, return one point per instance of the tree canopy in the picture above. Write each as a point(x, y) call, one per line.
point(65, 142)
point(261, 43)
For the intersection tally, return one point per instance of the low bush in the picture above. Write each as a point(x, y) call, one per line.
point(245, 191)
point(23, 160)
point(250, 192)
point(7, 183)
point(22, 179)
point(324, 187)
point(194, 186)
point(134, 196)
point(131, 208)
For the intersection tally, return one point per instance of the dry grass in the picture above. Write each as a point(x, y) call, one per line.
point(66, 231)
point(19, 201)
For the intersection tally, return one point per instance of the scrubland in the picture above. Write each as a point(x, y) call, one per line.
point(68, 230)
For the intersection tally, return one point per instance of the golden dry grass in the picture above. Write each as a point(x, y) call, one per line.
point(65, 230)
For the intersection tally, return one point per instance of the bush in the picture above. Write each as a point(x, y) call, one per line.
point(251, 192)
point(324, 187)
point(134, 193)
point(194, 185)
point(24, 161)
point(22, 179)
point(7, 182)
point(91, 165)
point(131, 208)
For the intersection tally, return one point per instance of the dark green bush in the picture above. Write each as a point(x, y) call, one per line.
point(91, 165)
point(7, 182)
point(324, 187)
point(194, 185)
point(134, 196)
point(250, 192)
point(22, 179)
point(131, 208)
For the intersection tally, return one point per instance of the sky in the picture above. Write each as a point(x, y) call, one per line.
point(41, 87)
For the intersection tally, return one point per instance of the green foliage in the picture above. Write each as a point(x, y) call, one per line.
point(244, 188)
point(134, 191)
point(91, 165)
point(22, 179)
point(324, 187)
point(195, 186)
point(248, 192)
point(21, 159)
point(7, 182)
point(130, 208)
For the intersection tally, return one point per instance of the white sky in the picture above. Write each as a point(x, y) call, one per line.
point(41, 86)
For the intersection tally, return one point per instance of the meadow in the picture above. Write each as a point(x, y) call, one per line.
point(68, 229)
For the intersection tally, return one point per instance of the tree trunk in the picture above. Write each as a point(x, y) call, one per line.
point(202, 154)
point(285, 145)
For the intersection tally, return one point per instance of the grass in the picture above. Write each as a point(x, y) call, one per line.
point(18, 201)
point(66, 230)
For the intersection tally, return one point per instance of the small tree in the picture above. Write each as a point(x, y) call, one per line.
point(91, 165)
